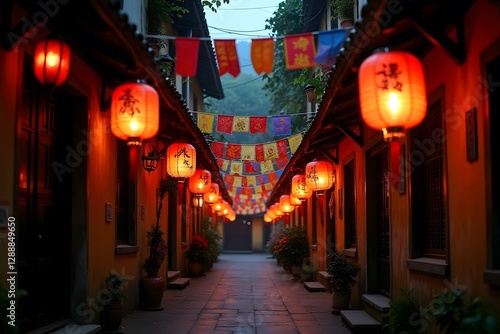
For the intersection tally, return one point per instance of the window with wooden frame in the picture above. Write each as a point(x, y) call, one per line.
point(429, 209)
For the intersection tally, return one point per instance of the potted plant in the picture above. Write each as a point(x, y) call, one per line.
point(112, 313)
point(403, 315)
point(307, 272)
point(291, 248)
point(152, 285)
point(210, 233)
point(197, 255)
point(343, 11)
point(342, 273)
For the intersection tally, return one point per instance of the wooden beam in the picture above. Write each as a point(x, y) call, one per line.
point(351, 134)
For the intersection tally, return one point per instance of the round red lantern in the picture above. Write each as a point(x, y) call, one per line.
point(135, 112)
point(200, 182)
point(267, 219)
point(299, 187)
point(52, 59)
point(212, 195)
point(392, 92)
point(319, 176)
point(295, 201)
point(285, 205)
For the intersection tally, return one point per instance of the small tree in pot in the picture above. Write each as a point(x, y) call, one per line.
point(112, 313)
point(152, 285)
point(342, 273)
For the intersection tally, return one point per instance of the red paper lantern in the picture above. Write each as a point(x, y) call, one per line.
point(295, 201)
point(285, 206)
point(319, 175)
point(299, 187)
point(267, 219)
point(392, 92)
point(200, 182)
point(52, 59)
point(181, 161)
point(135, 112)
point(212, 195)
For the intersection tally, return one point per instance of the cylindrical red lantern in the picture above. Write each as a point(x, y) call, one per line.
point(200, 182)
point(267, 219)
point(299, 187)
point(285, 205)
point(295, 201)
point(392, 92)
point(52, 59)
point(319, 175)
point(181, 160)
point(135, 112)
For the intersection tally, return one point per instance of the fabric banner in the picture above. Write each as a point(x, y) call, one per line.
point(225, 165)
point(273, 178)
point(241, 124)
point(218, 149)
point(258, 124)
point(299, 51)
point(267, 166)
point(233, 151)
point(282, 152)
point(270, 151)
point(206, 122)
point(329, 44)
point(294, 142)
point(237, 181)
point(236, 168)
point(251, 181)
point(228, 179)
point(227, 57)
point(282, 125)
point(225, 124)
point(186, 54)
point(262, 54)
point(251, 167)
point(282, 162)
point(248, 152)
point(220, 163)
point(259, 152)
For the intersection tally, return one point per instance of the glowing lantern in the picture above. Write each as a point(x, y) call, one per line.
point(299, 187)
point(295, 201)
point(267, 219)
point(181, 164)
point(286, 207)
point(212, 195)
point(199, 184)
point(218, 206)
point(319, 176)
point(392, 92)
point(52, 59)
point(276, 210)
point(392, 98)
point(135, 112)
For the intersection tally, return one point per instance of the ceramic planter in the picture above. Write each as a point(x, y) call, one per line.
point(340, 300)
point(152, 288)
point(111, 317)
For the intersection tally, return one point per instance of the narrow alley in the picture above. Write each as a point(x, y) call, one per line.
point(242, 293)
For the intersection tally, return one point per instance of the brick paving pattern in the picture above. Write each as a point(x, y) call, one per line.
point(242, 293)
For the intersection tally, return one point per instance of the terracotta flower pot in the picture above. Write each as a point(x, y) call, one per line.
point(340, 300)
point(195, 268)
point(152, 288)
point(111, 317)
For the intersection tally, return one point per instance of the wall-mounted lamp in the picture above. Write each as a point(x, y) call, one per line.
point(310, 91)
point(150, 161)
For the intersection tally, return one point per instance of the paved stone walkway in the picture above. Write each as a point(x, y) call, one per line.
point(242, 293)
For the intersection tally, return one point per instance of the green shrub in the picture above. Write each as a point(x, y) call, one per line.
point(403, 315)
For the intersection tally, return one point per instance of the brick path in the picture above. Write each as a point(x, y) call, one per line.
point(242, 293)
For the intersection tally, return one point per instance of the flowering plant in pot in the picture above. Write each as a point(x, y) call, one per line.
point(342, 273)
point(197, 255)
point(152, 285)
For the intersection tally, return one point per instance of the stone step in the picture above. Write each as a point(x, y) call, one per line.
point(375, 305)
point(171, 275)
point(81, 329)
point(360, 322)
point(179, 283)
point(314, 286)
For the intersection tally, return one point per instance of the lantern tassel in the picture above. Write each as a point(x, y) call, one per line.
point(180, 192)
point(395, 162)
point(287, 219)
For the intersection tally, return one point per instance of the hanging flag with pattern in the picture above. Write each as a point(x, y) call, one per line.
point(233, 151)
point(299, 51)
point(262, 53)
point(206, 122)
point(241, 124)
point(236, 168)
point(251, 167)
point(281, 144)
point(270, 151)
point(227, 57)
point(282, 125)
point(225, 124)
point(259, 152)
point(294, 142)
point(248, 152)
point(258, 124)
point(218, 149)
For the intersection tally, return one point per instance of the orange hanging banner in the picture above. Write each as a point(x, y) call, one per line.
point(299, 51)
point(262, 54)
point(227, 56)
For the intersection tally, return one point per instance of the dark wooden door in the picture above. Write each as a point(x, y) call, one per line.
point(238, 235)
point(44, 229)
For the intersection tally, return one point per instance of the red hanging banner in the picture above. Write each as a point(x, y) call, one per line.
point(299, 51)
point(262, 54)
point(227, 56)
point(186, 56)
